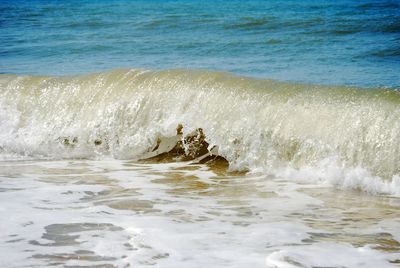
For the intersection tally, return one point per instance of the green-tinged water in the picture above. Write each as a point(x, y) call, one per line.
point(256, 125)
point(200, 133)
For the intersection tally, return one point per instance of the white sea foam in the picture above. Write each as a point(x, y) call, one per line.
point(329, 255)
point(329, 172)
point(257, 125)
point(108, 212)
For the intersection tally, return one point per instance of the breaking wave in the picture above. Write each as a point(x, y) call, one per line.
point(255, 125)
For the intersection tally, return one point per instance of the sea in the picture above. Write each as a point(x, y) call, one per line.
point(188, 133)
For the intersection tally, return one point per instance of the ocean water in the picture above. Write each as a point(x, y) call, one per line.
point(331, 42)
point(200, 133)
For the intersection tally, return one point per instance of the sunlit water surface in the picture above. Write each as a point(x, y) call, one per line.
point(123, 214)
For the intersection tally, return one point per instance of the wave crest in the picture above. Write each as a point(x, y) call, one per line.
point(257, 125)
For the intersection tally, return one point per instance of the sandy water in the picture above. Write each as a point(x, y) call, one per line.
point(327, 192)
point(115, 213)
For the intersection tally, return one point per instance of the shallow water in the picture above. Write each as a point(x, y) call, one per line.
point(310, 161)
point(113, 213)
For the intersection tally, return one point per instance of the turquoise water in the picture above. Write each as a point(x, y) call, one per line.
point(150, 161)
point(327, 42)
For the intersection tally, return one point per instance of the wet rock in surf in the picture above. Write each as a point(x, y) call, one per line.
point(192, 147)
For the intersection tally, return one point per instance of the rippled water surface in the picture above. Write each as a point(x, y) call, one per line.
point(323, 181)
point(330, 42)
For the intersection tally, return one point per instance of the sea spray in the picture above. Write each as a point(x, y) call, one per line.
point(257, 125)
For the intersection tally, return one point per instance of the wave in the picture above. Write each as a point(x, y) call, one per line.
point(255, 125)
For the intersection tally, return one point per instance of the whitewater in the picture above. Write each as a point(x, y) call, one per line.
point(200, 134)
point(344, 136)
point(186, 168)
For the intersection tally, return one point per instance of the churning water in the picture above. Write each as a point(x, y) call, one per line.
point(126, 141)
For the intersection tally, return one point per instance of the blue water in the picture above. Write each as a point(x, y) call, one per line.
point(328, 42)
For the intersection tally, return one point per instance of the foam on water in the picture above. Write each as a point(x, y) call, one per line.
point(328, 255)
point(345, 136)
point(107, 169)
point(123, 214)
